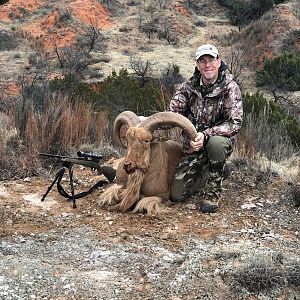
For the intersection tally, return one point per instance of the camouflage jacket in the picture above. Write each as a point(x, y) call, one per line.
point(215, 110)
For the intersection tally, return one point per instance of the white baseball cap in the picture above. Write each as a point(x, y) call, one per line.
point(207, 49)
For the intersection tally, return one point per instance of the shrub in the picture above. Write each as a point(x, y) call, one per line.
point(258, 276)
point(73, 89)
point(241, 12)
point(171, 77)
point(115, 7)
point(274, 114)
point(279, 1)
point(64, 16)
point(3, 1)
point(294, 189)
point(292, 273)
point(282, 73)
point(200, 23)
point(7, 42)
point(264, 273)
point(121, 92)
point(290, 41)
point(267, 130)
point(132, 3)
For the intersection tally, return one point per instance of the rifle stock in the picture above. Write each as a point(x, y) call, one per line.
point(107, 171)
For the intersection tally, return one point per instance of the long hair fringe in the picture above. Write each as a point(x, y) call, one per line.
point(131, 194)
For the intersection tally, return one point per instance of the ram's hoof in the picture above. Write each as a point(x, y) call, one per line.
point(114, 208)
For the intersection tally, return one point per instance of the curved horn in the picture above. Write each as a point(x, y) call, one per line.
point(128, 118)
point(169, 118)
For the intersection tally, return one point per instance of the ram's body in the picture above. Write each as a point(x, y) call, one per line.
point(145, 174)
point(164, 159)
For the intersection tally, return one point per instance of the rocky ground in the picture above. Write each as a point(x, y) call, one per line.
point(249, 249)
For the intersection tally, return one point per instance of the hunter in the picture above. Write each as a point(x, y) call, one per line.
point(212, 100)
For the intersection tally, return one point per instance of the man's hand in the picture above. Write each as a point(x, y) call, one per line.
point(198, 143)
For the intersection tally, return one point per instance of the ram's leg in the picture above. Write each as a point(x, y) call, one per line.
point(131, 194)
point(150, 205)
point(110, 196)
point(128, 197)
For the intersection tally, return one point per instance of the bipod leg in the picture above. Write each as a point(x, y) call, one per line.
point(58, 176)
point(72, 185)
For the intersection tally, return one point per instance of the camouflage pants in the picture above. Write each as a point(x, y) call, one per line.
point(194, 170)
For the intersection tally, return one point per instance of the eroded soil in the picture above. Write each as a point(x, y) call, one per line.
point(49, 250)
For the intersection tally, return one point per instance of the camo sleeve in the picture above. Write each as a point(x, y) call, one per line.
point(233, 114)
point(179, 102)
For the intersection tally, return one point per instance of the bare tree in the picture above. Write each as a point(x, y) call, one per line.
point(148, 24)
point(89, 38)
point(142, 69)
point(167, 31)
point(236, 64)
point(72, 60)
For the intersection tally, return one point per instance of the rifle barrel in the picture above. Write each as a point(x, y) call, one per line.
point(67, 158)
point(53, 155)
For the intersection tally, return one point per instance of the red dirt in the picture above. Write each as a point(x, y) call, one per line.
point(15, 6)
point(180, 8)
point(50, 29)
point(283, 21)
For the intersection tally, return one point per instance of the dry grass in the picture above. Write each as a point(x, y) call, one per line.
point(261, 274)
point(59, 128)
point(62, 125)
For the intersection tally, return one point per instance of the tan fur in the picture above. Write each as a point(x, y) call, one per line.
point(130, 195)
point(138, 154)
point(153, 164)
point(110, 196)
point(150, 205)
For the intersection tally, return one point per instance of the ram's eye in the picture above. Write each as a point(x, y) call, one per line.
point(147, 141)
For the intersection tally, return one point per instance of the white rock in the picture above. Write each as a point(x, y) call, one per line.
point(248, 206)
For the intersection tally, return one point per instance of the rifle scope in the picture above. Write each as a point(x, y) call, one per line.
point(88, 155)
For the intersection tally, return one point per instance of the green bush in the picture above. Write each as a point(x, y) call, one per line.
point(121, 92)
point(241, 12)
point(290, 41)
point(282, 73)
point(7, 42)
point(3, 1)
point(274, 117)
point(73, 89)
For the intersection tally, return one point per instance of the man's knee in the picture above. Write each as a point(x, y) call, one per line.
point(178, 192)
point(218, 148)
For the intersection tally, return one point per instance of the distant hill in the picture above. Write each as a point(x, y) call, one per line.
point(41, 25)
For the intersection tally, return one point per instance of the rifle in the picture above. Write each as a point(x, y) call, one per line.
point(85, 159)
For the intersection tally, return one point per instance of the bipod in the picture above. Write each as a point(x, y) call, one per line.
point(60, 189)
point(57, 180)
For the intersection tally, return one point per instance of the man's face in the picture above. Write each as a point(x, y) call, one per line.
point(208, 67)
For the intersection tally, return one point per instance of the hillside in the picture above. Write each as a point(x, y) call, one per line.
point(248, 250)
point(50, 23)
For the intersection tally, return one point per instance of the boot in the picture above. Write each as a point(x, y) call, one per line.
point(211, 192)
